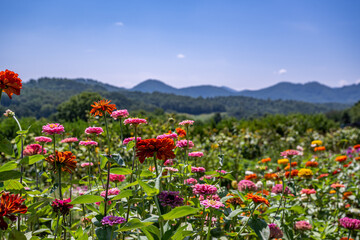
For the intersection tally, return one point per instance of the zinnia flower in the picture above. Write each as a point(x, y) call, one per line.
point(101, 107)
point(316, 143)
point(10, 204)
point(127, 140)
point(184, 143)
point(197, 169)
point(53, 128)
point(33, 149)
point(163, 148)
point(337, 185)
point(196, 154)
point(186, 123)
point(111, 220)
point(307, 191)
point(341, 158)
point(251, 176)
point(289, 152)
point(117, 178)
point(69, 140)
point(181, 132)
point(43, 139)
point(88, 143)
point(283, 161)
point(275, 231)
point(204, 189)
point(94, 130)
point(135, 121)
point(167, 135)
point(278, 188)
point(265, 160)
point(62, 206)
point(10, 83)
point(244, 185)
point(235, 201)
point(311, 164)
point(302, 225)
point(350, 223)
point(212, 204)
point(305, 173)
point(294, 173)
point(86, 164)
point(65, 160)
point(169, 198)
point(318, 149)
point(257, 199)
point(190, 181)
point(123, 113)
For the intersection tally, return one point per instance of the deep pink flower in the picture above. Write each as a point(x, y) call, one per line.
point(86, 164)
point(183, 144)
point(135, 121)
point(123, 113)
point(206, 177)
point(196, 154)
point(117, 178)
point(186, 122)
point(62, 206)
point(190, 181)
point(209, 197)
point(33, 149)
point(350, 223)
point(197, 169)
point(127, 140)
point(111, 191)
point(303, 225)
point(171, 169)
point(204, 189)
point(290, 152)
point(69, 140)
point(278, 188)
point(43, 139)
point(169, 162)
point(111, 220)
point(246, 185)
point(53, 128)
point(308, 191)
point(167, 135)
point(212, 204)
point(88, 143)
point(94, 130)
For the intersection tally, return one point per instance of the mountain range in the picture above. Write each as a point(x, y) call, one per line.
point(313, 92)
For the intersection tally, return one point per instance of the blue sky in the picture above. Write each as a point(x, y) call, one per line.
point(239, 44)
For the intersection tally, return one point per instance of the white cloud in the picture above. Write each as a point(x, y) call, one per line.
point(281, 71)
point(180, 56)
point(120, 24)
point(357, 81)
point(343, 82)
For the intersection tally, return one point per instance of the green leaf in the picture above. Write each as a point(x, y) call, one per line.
point(8, 166)
point(5, 146)
point(131, 184)
point(180, 212)
point(16, 235)
point(35, 158)
point(13, 185)
point(7, 175)
point(103, 161)
point(116, 158)
point(130, 145)
point(180, 233)
point(151, 191)
point(87, 199)
point(104, 233)
point(229, 176)
point(123, 194)
point(23, 132)
point(121, 171)
point(235, 213)
point(298, 209)
point(134, 224)
point(260, 227)
point(151, 232)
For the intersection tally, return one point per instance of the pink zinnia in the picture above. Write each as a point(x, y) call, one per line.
point(94, 130)
point(190, 181)
point(303, 225)
point(127, 140)
point(43, 139)
point(186, 122)
point(167, 135)
point(86, 164)
point(135, 121)
point(88, 143)
point(196, 154)
point(169, 162)
point(212, 204)
point(117, 178)
point(69, 140)
point(204, 189)
point(337, 185)
point(206, 177)
point(111, 192)
point(33, 149)
point(123, 113)
point(209, 197)
point(290, 152)
point(350, 223)
point(308, 191)
point(171, 169)
point(247, 185)
point(53, 128)
point(221, 171)
point(184, 143)
point(197, 169)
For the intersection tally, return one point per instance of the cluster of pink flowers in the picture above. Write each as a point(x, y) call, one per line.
point(167, 135)
point(184, 143)
point(135, 121)
point(190, 181)
point(127, 140)
point(303, 225)
point(212, 204)
point(117, 178)
point(69, 140)
point(204, 189)
point(111, 191)
point(86, 164)
point(186, 122)
point(308, 191)
point(210, 197)
point(337, 185)
point(244, 185)
point(206, 177)
point(94, 130)
point(33, 149)
point(171, 169)
point(196, 154)
point(53, 128)
point(278, 188)
point(62, 206)
point(290, 152)
point(197, 169)
point(123, 113)
point(169, 162)
point(350, 223)
point(42, 139)
point(88, 143)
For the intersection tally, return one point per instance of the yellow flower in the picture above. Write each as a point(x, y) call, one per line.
point(234, 184)
point(305, 173)
point(316, 142)
point(283, 161)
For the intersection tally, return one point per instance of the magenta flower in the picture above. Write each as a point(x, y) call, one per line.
point(127, 140)
point(290, 152)
point(33, 149)
point(43, 139)
point(167, 135)
point(303, 225)
point(246, 185)
point(221, 171)
point(183, 143)
point(308, 191)
point(196, 154)
point(111, 220)
point(209, 197)
point(212, 204)
point(94, 130)
point(53, 128)
point(206, 177)
point(186, 122)
point(190, 181)
point(135, 121)
point(278, 188)
point(350, 223)
point(169, 162)
point(117, 178)
point(86, 164)
point(69, 140)
point(88, 143)
point(62, 206)
point(123, 113)
point(171, 169)
point(197, 169)
point(169, 198)
point(275, 231)
point(204, 189)
point(111, 191)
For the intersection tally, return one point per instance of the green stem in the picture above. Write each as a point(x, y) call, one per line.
point(209, 225)
point(132, 169)
point(109, 165)
point(252, 212)
point(60, 194)
point(89, 169)
point(57, 225)
point(156, 168)
point(160, 222)
point(121, 131)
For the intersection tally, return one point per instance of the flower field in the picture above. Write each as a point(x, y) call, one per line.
point(130, 177)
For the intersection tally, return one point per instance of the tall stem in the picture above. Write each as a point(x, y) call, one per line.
point(132, 168)
point(121, 130)
point(156, 168)
point(89, 169)
point(57, 224)
point(60, 194)
point(209, 226)
point(108, 164)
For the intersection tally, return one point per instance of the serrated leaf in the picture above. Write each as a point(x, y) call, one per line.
point(8, 166)
point(180, 212)
point(87, 199)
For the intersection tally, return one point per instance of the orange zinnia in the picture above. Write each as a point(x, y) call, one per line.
point(271, 176)
point(311, 164)
point(265, 160)
point(341, 158)
point(321, 148)
point(293, 164)
point(181, 132)
point(163, 148)
point(65, 160)
point(251, 176)
point(101, 107)
point(346, 195)
point(294, 173)
point(257, 199)
point(10, 83)
point(10, 204)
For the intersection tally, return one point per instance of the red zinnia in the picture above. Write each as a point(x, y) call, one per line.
point(163, 148)
point(101, 107)
point(9, 205)
point(181, 132)
point(10, 83)
point(311, 164)
point(294, 173)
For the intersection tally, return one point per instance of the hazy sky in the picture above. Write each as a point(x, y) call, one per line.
point(240, 44)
